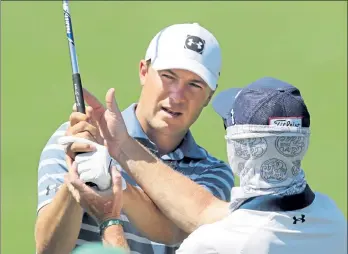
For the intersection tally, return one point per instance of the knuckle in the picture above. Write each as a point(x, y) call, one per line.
point(86, 125)
point(78, 117)
point(73, 148)
point(89, 111)
point(78, 127)
point(79, 147)
point(85, 134)
point(73, 116)
point(93, 130)
point(83, 125)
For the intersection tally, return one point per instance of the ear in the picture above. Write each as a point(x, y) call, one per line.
point(209, 98)
point(143, 69)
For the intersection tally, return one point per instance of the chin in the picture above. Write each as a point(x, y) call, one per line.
point(166, 125)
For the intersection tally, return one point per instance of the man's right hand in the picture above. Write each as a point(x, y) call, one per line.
point(83, 126)
point(103, 125)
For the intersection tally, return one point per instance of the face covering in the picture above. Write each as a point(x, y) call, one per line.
point(267, 160)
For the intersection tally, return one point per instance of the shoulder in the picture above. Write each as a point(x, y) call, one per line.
point(327, 206)
point(209, 165)
point(52, 153)
point(247, 221)
point(212, 173)
point(211, 161)
point(323, 198)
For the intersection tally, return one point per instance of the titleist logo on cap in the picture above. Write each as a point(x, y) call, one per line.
point(286, 121)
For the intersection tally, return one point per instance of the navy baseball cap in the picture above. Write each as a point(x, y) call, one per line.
point(267, 101)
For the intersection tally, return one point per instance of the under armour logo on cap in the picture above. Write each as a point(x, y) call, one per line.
point(194, 43)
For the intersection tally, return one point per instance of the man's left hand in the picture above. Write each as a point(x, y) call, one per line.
point(101, 206)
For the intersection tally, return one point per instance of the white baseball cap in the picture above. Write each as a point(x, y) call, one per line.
point(189, 47)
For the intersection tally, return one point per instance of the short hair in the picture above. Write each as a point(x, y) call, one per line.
point(148, 62)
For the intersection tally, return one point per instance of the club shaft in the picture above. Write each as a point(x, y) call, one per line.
point(73, 58)
point(70, 36)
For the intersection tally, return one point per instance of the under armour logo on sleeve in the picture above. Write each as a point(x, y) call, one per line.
point(52, 187)
point(301, 219)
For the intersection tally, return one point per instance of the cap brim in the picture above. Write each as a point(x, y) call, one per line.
point(223, 102)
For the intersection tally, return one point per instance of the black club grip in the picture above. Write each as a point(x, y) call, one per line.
point(78, 93)
point(80, 102)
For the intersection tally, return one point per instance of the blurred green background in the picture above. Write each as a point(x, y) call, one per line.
point(304, 43)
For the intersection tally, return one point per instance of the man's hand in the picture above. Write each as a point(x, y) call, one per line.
point(83, 126)
point(101, 206)
point(109, 120)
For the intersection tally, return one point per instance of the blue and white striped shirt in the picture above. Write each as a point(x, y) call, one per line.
point(189, 159)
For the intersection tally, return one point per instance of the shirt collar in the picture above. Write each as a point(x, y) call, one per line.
point(187, 148)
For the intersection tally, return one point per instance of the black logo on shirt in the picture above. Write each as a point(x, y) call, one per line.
point(301, 219)
point(49, 188)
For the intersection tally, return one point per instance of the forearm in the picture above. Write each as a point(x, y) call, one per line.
point(114, 237)
point(180, 199)
point(58, 224)
point(148, 219)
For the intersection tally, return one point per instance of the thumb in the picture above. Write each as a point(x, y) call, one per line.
point(73, 171)
point(111, 103)
point(79, 185)
point(116, 180)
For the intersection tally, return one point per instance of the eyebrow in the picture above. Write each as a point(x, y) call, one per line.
point(194, 80)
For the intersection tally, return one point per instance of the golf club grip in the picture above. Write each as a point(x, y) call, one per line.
point(79, 100)
point(80, 103)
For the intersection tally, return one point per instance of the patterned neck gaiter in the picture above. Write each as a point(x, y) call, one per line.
point(267, 160)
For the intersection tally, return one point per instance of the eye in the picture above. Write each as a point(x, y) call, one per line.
point(167, 76)
point(195, 85)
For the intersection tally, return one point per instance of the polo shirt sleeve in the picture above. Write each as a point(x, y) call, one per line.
point(52, 168)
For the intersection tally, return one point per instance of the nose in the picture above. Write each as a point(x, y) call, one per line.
point(177, 93)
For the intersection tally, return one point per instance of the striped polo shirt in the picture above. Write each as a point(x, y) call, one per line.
point(189, 159)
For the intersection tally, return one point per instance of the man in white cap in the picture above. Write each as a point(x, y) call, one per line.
point(274, 210)
point(178, 76)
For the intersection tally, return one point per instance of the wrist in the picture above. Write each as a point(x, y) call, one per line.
point(118, 150)
point(109, 216)
point(69, 196)
point(104, 225)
